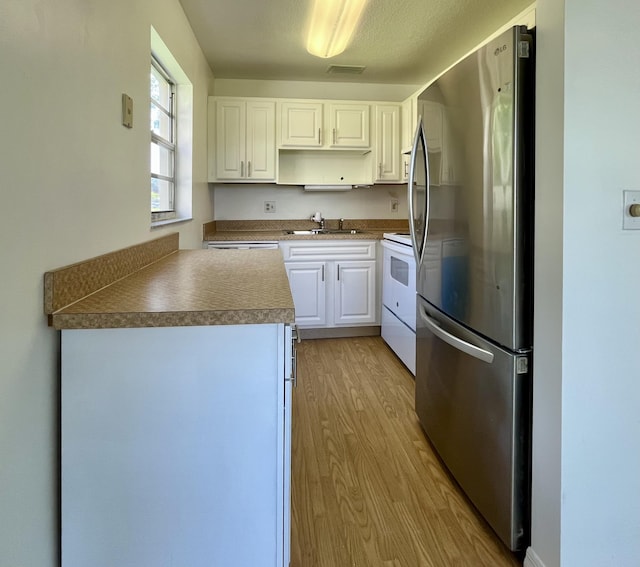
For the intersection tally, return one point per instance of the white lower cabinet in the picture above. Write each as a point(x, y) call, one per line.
point(308, 288)
point(333, 283)
point(176, 446)
point(354, 298)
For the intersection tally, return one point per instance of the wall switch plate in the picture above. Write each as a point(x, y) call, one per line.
point(269, 206)
point(630, 198)
point(127, 111)
point(394, 205)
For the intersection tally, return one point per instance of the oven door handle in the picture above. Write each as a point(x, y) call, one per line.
point(454, 341)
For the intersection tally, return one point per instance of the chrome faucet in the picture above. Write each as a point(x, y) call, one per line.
point(317, 217)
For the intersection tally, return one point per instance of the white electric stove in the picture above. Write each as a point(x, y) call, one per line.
point(399, 297)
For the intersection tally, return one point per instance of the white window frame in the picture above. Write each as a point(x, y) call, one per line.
point(168, 144)
point(183, 109)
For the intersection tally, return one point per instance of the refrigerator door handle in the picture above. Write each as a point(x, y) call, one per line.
point(455, 342)
point(418, 247)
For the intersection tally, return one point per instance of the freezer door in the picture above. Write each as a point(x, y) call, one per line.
point(478, 123)
point(473, 402)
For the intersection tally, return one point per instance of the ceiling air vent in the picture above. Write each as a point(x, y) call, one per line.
point(345, 69)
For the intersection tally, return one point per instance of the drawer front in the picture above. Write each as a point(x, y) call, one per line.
point(400, 338)
point(305, 251)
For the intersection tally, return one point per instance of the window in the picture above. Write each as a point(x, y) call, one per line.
point(163, 143)
point(171, 108)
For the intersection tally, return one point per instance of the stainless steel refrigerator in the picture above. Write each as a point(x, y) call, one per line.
point(471, 215)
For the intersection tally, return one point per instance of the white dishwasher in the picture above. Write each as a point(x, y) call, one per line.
point(241, 244)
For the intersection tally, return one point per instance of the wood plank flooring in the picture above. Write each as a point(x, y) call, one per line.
point(367, 488)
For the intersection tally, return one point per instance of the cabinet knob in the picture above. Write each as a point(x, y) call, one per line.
point(634, 210)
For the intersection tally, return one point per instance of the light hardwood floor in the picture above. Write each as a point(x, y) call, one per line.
point(367, 488)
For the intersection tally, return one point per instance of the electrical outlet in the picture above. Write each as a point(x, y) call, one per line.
point(269, 206)
point(394, 205)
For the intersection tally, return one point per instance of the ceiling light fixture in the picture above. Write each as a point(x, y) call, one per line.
point(332, 25)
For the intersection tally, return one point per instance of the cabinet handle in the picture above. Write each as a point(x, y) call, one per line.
point(319, 139)
point(248, 169)
point(338, 272)
point(294, 364)
point(406, 169)
point(322, 272)
point(242, 169)
point(295, 337)
point(334, 136)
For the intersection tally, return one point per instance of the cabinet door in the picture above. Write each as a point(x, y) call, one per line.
point(230, 139)
point(409, 123)
point(301, 124)
point(191, 444)
point(260, 141)
point(348, 126)
point(307, 282)
point(387, 149)
point(355, 292)
point(405, 164)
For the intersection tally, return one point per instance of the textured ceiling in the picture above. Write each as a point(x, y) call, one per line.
point(398, 41)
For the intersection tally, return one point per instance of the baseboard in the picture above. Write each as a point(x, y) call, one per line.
point(532, 560)
point(339, 332)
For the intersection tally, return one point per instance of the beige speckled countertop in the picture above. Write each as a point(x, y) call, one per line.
point(257, 231)
point(189, 287)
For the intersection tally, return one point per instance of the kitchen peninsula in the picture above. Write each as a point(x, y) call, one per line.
point(176, 414)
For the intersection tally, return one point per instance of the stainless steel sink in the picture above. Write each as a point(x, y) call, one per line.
point(316, 231)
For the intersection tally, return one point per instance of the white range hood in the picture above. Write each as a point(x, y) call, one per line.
point(328, 187)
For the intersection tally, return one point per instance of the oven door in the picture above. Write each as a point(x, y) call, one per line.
point(399, 282)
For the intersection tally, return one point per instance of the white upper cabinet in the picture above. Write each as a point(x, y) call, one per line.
point(348, 126)
point(409, 120)
point(326, 125)
point(301, 124)
point(387, 146)
point(244, 134)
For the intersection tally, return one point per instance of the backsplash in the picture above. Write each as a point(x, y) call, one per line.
point(247, 202)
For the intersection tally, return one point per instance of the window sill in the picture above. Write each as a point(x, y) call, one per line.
point(159, 223)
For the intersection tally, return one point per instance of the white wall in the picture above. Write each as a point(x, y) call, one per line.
point(547, 352)
point(245, 201)
point(587, 379)
point(312, 89)
point(74, 183)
